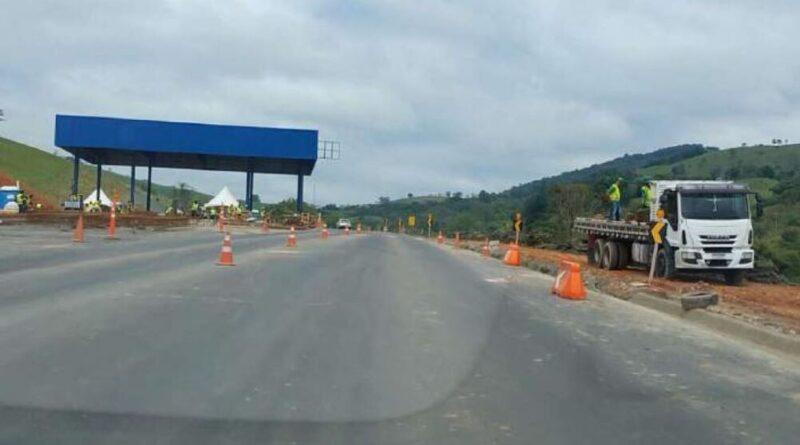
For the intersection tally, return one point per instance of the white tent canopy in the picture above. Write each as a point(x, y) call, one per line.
point(92, 197)
point(223, 198)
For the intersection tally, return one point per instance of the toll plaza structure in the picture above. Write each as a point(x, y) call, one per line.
point(135, 142)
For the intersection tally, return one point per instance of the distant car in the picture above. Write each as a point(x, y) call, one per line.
point(343, 223)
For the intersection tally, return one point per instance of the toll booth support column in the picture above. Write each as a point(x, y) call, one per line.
point(149, 182)
point(76, 171)
point(300, 193)
point(248, 191)
point(99, 182)
point(133, 184)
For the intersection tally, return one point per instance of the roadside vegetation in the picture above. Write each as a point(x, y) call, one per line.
point(549, 205)
point(48, 177)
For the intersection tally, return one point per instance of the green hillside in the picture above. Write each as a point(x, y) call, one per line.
point(550, 204)
point(49, 177)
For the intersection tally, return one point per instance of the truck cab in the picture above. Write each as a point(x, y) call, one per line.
point(708, 225)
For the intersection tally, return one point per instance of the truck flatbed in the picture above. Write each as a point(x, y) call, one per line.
point(623, 230)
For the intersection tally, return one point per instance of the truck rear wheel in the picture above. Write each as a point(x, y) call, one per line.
point(597, 252)
point(591, 256)
point(611, 255)
point(734, 277)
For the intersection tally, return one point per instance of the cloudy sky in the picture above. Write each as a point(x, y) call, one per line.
point(425, 96)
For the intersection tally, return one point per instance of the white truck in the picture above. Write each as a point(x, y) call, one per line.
point(708, 228)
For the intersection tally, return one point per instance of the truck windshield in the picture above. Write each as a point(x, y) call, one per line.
point(714, 206)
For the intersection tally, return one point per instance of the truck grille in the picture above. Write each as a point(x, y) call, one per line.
point(717, 249)
point(717, 263)
point(718, 240)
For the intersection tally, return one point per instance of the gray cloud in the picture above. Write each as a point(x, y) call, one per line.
point(426, 96)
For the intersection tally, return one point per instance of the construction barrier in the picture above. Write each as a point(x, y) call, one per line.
point(291, 240)
point(112, 222)
point(77, 235)
point(512, 257)
point(485, 249)
point(226, 253)
point(568, 282)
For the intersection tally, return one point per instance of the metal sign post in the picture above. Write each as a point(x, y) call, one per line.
point(656, 234)
point(517, 226)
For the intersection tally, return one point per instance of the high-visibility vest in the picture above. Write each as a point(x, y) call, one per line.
point(646, 196)
point(613, 192)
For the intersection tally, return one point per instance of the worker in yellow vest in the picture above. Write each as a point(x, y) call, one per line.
point(614, 195)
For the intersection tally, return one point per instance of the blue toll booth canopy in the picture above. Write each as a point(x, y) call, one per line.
point(114, 141)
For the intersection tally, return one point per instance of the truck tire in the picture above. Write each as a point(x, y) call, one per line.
point(591, 256)
point(624, 255)
point(665, 262)
point(734, 277)
point(611, 255)
point(598, 253)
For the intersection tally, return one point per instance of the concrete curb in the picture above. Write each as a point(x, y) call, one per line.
point(717, 322)
point(721, 323)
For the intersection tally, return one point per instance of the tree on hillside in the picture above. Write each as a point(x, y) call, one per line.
point(384, 200)
point(567, 202)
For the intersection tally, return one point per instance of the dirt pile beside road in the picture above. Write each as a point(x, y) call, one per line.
point(774, 305)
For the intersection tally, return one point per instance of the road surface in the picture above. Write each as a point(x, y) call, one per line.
point(374, 338)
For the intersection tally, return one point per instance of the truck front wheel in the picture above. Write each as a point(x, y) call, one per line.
point(734, 277)
point(665, 263)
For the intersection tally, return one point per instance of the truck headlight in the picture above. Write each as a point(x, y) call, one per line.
point(690, 257)
point(747, 255)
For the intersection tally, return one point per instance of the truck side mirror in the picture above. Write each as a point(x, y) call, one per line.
point(759, 207)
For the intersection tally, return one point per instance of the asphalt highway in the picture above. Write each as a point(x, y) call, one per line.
point(374, 338)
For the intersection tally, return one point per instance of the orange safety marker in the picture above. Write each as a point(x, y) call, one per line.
point(226, 253)
point(112, 222)
point(457, 241)
point(440, 238)
point(358, 228)
point(347, 230)
point(220, 221)
point(77, 234)
point(264, 226)
point(485, 249)
point(568, 282)
point(512, 255)
point(291, 240)
point(324, 234)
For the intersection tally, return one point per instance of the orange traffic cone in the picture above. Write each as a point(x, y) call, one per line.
point(568, 282)
point(347, 230)
point(358, 228)
point(440, 238)
point(291, 240)
point(485, 249)
point(324, 234)
point(512, 255)
point(264, 226)
point(457, 241)
point(226, 253)
point(77, 234)
point(112, 223)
